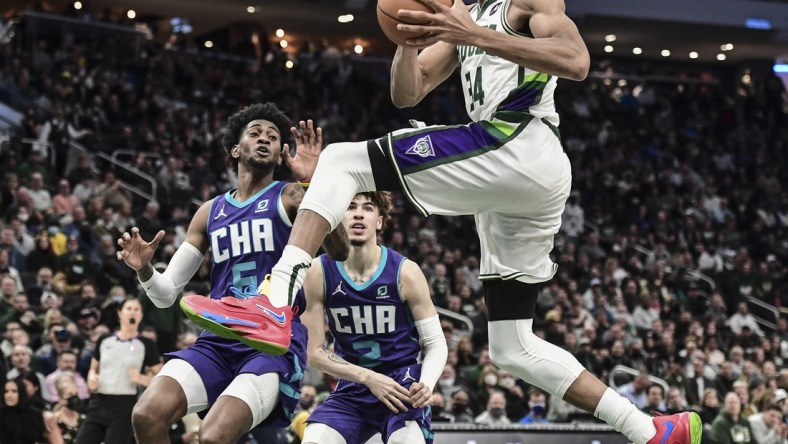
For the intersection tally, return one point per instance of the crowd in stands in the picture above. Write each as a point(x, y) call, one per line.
point(677, 222)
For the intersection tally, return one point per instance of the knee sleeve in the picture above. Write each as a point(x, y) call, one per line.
point(190, 381)
point(515, 348)
point(317, 433)
point(259, 392)
point(344, 169)
point(410, 434)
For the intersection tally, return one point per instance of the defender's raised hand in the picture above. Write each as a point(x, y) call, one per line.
point(309, 143)
point(136, 252)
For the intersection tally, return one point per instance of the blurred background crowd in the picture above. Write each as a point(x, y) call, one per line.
point(672, 254)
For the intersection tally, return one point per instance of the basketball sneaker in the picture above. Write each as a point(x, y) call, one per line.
point(681, 428)
point(246, 317)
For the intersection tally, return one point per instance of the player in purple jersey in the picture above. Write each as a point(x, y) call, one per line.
point(378, 307)
point(246, 229)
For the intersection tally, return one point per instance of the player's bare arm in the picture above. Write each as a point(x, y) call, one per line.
point(163, 288)
point(383, 387)
point(414, 74)
point(136, 252)
point(416, 292)
point(556, 49)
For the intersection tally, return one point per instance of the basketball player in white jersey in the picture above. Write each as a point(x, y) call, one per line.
point(507, 168)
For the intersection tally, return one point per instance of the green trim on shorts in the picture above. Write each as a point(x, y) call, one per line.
point(489, 127)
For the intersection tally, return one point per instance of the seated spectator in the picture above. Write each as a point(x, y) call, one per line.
point(710, 406)
point(537, 404)
point(675, 402)
point(768, 427)
point(655, 399)
point(69, 412)
point(495, 413)
point(459, 407)
point(636, 391)
point(66, 365)
point(729, 426)
point(19, 422)
point(438, 406)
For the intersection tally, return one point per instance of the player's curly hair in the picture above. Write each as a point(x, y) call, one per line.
point(238, 121)
point(382, 200)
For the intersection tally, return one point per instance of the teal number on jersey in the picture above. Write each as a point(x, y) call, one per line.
point(249, 279)
point(371, 358)
point(475, 88)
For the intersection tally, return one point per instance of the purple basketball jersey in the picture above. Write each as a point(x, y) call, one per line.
point(371, 324)
point(246, 240)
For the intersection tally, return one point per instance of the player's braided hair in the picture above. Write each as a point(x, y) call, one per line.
point(260, 111)
point(382, 200)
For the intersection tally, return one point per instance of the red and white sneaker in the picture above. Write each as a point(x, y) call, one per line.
point(251, 320)
point(681, 428)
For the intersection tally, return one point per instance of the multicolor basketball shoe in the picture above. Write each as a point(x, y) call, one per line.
point(247, 317)
point(681, 428)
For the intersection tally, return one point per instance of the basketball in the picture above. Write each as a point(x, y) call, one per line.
point(389, 19)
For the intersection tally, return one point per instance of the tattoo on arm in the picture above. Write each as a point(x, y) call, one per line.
point(296, 193)
point(334, 357)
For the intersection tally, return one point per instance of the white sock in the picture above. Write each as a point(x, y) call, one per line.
point(623, 416)
point(287, 276)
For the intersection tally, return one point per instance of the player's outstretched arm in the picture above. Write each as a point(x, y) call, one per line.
point(416, 292)
point(163, 288)
point(556, 49)
point(384, 388)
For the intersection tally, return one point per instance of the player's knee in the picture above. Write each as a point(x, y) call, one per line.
point(210, 434)
point(333, 157)
point(147, 419)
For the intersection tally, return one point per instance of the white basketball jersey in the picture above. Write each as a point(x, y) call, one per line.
point(493, 84)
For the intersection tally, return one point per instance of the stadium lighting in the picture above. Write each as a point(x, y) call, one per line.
point(358, 49)
point(780, 68)
point(608, 48)
point(693, 55)
point(131, 14)
point(721, 57)
point(280, 33)
point(283, 43)
point(251, 9)
point(728, 47)
point(665, 53)
point(289, 64)
point(77, 5)
point(345, 18)
point(208, 44)
point(610, 38)
point(637, 51)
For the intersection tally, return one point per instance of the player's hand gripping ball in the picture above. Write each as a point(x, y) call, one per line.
point(388, 18)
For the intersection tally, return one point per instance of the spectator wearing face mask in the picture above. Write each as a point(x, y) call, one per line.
point(306, 403)
point(516, 400)
point(459, 407)
point(537, 401)
point(438, 406)
point(495, 414)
